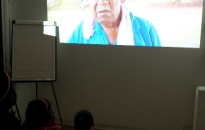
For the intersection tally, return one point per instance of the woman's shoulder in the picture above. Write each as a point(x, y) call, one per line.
point(139, 20)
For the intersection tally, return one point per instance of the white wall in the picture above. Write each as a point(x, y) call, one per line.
point(129, 87)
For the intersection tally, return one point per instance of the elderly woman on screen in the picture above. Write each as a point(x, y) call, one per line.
point(112, 24)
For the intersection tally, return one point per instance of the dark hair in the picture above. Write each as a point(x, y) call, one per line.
point(7, 93)
point(83, 120)
point(37, 113)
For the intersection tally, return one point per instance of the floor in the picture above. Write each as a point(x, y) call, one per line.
point(66, 127)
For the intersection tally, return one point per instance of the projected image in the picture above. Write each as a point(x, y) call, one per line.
point(160, 23)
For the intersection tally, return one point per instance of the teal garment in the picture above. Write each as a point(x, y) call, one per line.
point(144, 34)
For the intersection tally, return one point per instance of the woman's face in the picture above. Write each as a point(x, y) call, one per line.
point(106, 12)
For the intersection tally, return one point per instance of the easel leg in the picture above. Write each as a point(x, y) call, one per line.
point(57, 104)
point(18, 112)
point(36, 91)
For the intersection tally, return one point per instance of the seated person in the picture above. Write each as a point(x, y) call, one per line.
point(112, 24)
point(39, 116)
point(84, 121)
point(8, 120)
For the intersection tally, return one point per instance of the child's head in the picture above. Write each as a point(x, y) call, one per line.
point(7, 92)
point(38, 113)
point(83, 120)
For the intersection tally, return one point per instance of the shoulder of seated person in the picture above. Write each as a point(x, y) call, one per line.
point(57, 127)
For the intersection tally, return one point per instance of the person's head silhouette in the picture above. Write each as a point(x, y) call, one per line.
point(7, 93)
point(84, 120)
point(8, 98)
